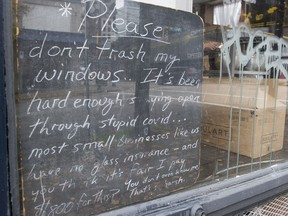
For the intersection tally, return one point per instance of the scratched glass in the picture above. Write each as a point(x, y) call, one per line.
point(120, 102)
point(108, 104)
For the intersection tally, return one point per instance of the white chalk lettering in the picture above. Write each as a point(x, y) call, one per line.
point(102, 197)
point(104, 103)
point(113, 122)
point(46, 129)
point(39, 152)
point(71, 75)
point(55, 51)
point(138, 170)
point(122, 54)
point(46, 208)
point(176, 182)
point(150, 154)
point(36, 175)
point(159, 120)
point(139, 191)
point(42, 105)
point(164, 57)
point(190, 146)
point(98, 145)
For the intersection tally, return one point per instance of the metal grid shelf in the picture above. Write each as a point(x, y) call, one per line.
point(275, 207)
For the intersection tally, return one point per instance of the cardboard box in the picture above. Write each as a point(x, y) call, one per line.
point(243, 116)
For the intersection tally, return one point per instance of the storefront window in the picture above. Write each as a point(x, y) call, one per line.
point(121, 102)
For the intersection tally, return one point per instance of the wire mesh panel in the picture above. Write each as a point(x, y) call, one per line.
point(275, 207)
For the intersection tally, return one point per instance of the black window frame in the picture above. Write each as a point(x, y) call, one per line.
point(3, 141)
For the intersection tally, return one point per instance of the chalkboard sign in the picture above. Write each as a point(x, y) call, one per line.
point(108, 114)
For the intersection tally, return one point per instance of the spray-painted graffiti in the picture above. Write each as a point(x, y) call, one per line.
point(267, 54)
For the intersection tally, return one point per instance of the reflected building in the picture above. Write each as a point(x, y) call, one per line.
point(62, 25)
point(50, 15)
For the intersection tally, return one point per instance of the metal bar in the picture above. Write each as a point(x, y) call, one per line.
point(219, 198)
point(13, 177)
point(4, 203)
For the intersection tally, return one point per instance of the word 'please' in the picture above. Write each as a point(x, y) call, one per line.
point(120, 25)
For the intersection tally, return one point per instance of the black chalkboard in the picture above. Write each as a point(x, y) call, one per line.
point(108, 115)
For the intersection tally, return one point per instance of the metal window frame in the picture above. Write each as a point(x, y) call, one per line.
point(4, 203)
point(222, 198)
point(9, 135)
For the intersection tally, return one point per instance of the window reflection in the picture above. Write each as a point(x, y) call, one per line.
point(120, 102)
point(108, 105)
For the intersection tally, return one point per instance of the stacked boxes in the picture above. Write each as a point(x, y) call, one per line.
point(243, 116)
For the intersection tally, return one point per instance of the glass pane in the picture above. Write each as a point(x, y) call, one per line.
point(244, 91)
point(120, 102)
